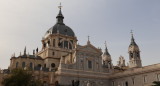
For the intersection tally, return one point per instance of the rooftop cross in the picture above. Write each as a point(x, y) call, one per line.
point(60, 6)
point(88, 38)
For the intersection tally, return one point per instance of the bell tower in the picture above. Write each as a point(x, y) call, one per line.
point(107, 61)
point(134, 54)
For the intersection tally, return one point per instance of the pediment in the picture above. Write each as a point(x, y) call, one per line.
point(89, 48)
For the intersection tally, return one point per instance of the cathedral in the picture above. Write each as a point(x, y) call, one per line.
point(63, 62)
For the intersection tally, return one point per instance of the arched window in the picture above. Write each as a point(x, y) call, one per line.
point(23, 64)
point(17, 65)
point(30, 65)
point(53, 65)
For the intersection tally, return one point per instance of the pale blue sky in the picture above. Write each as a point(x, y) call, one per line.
point(24, 23)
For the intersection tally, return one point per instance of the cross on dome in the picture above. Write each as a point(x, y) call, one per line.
point(105, 44)
point(60, 6)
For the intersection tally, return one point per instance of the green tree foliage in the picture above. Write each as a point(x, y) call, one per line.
point(156, 83)
point(19, 77)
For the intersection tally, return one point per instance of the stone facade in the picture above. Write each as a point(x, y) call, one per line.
point(61, 60)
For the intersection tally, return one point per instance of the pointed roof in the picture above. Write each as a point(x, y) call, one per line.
point(106, 50)
point(25, 50)
point(133, 43)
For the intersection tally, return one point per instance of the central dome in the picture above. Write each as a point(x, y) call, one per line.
point(60, 27)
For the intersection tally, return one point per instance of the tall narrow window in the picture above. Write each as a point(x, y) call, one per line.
point(137, 54)
point(17, 65)
point(52, 53)
point(44, 65)
point(133, 80)
point(70, 46)
point(113, 83)
point(126, 84)
point(97, 65)
point(145, 79)
point(66, 44)
point(23, 64)
point(30, 65)
point(53, 42)
point(89, 64)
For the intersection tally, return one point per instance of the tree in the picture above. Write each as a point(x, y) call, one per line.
point(156, 83)
point(19, 77)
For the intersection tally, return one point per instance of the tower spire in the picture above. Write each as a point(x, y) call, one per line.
point(106, 50)
point(25, 50)
point(132, 39)
point(105, 44)
point(88, 42)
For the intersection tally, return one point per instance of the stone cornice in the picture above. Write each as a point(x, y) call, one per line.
point(136, 71)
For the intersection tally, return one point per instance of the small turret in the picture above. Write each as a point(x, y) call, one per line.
point(107, 61)
point(25, 50)
point(134, 54)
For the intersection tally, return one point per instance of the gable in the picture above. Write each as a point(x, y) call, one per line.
point(90, 49)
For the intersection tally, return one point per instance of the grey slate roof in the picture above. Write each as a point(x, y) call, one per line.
point(60, 27)
point(133, 43)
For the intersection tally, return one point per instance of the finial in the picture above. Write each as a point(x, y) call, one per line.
point(60, 6)
point(28, 54)
point(25, 50)
point(105, 44)
point(33, 52)
point(37, 50)
point(131, 32)
point(20, 54)
point(14, 55)
point(88, 40)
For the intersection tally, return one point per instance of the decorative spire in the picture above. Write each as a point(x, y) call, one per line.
point(132, 39)
point(106, 50)
point(14, 55)
point(37, 50)
point(25, 50)
point(20, 54)
point(105, 44)
point(60, 16)
point(33, 52)
point(88, 42)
